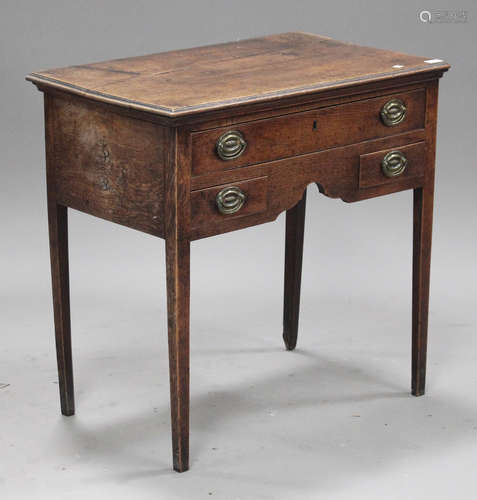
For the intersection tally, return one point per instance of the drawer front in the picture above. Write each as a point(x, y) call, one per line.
point(392, 165)
point(294, 134)
point(214, 205)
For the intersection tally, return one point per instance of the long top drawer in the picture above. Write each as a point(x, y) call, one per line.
point(260, 141)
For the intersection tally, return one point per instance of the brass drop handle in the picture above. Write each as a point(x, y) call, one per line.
point(230, 200)
point(230, 145)
point(393, 112)
point(394, 163)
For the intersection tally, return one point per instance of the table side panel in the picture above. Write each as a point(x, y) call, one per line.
point(108, 165)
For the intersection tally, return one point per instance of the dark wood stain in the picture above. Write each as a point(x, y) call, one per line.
point(300, 133)
point(204, 210)
point(108, 165)
point(294, 233)
point(58, 232)
point(370, 171)
point(422, 237)
point(133, 141)
point(196, 80)
point(177, 217)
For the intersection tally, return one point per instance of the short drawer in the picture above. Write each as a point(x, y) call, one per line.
point(214, 205)
point(392, 165)
point(298, 133)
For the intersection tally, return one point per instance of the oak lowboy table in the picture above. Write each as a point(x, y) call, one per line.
point(194, 143)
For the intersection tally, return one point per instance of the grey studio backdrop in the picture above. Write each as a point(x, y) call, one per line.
point(334, 419)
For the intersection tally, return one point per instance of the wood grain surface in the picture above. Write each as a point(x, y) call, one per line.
point(133, 141)
point(294, 235)
point(370, 165)
point(298, 133)
point(219, 76)
point(108, 165)
point(204, 211)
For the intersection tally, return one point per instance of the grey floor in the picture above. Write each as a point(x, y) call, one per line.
point(333, 419)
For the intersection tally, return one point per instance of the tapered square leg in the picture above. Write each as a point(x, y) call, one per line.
point(423, 208)
point(178, 294)
point(58, 229)
point(295, 226)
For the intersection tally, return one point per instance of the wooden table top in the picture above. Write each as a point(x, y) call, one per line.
point(194, 80)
